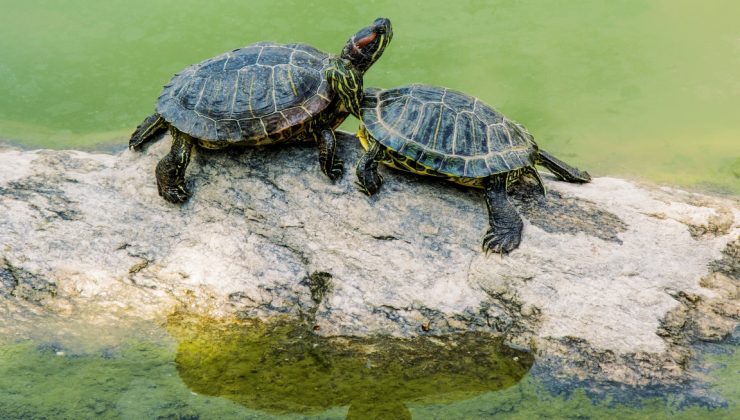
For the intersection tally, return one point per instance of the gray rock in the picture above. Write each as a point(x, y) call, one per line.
point(618, 277)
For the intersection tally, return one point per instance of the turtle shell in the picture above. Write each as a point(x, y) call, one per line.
point(445, 130)
point(259, 91)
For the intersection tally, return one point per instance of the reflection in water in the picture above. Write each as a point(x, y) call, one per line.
point(53, 377)
point(284, 367)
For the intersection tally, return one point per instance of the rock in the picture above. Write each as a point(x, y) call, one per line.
point(613, 280)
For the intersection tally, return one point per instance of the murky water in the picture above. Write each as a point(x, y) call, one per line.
point(643, 89)
point(286, 368)
point(197, 368)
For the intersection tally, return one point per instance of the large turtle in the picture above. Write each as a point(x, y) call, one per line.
point(439, 132)
point(260, 94)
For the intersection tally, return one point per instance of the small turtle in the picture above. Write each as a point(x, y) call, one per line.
point(439, 132)
point(261, 94)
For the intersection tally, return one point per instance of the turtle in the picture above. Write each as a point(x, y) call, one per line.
point(443, 133)
point(263, 93)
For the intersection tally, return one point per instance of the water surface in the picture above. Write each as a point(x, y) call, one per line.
point(205, 369)
point(642, 89)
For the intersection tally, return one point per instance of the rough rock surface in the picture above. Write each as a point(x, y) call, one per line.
point(616, 278)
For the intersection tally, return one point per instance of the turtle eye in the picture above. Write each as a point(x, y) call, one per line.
point(381, 25)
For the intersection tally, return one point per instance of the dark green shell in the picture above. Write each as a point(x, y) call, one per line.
point(248, 93)
point(447, 131)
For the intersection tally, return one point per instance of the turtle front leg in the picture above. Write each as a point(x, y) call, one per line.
point(505, 232)
point(368, 177)
point(331, 165)
point(147, 130)
point(170, 170)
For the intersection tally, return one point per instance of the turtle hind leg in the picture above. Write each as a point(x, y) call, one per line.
point(505, 232)
point(147, 130)
point(368, 177)
point(330, 164)
point(532, 172)
point(170, 170)
point(561, 169)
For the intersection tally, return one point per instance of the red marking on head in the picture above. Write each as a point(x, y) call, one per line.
point(361, 43)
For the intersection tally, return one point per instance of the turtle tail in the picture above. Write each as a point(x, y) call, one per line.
point(147, 131)
point(562, 170)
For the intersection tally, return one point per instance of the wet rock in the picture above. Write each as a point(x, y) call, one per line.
point(710, 317)
point(612, 281)
point(18, 282)
point(729, 263)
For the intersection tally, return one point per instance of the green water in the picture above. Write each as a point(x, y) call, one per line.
point(204, 369)
point(636, 88)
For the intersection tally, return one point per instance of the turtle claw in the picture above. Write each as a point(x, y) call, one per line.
point(363, 189)
point(370, 186)
point(502, 239)
point(175, 194)
point(584, 177)
point(337, 170)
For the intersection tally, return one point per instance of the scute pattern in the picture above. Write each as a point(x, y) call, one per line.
point(248, 94)
point(447, 131)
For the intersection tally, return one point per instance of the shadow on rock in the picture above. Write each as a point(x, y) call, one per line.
point(555, 213)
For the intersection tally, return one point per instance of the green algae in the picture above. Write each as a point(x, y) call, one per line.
point(208, 369)
point(716, 396)
point(285, 367)
point(136, 380)
point(247, 369)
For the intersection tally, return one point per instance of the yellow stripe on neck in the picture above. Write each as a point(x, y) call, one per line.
point(362, 136)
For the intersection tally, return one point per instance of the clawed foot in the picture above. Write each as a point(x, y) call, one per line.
point(584, 176)
point(337, 170)
point(576, 176)
point(502, 239)
point(370, 184)
point(174, 193)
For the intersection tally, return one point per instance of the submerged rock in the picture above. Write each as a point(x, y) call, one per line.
point(613, 280)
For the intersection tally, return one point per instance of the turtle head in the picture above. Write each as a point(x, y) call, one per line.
point(346, 82)
point(367, 45)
